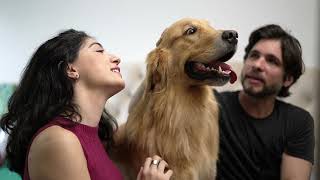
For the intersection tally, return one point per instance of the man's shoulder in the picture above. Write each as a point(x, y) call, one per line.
point(291, 108)
point(294, 115)
point(226, 94)
point(227, 98)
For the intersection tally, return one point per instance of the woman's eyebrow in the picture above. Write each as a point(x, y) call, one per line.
point(95, 43)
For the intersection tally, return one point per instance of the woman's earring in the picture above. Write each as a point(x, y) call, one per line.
point(77, 76)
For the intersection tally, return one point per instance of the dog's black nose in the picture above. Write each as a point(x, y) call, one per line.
point(230, 36)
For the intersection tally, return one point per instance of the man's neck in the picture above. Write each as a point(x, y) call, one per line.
point(257, 107)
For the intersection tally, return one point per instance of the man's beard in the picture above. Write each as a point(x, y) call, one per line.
point(264, 92)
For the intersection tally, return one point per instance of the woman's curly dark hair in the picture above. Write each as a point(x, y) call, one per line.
point(44, 92)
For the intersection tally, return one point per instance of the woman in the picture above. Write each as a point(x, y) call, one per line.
point(56, 121)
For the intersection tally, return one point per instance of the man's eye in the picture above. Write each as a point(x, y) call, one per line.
point(272, 61)
point(253, 55)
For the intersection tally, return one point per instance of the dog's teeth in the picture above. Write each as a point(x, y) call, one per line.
point(227, 71)
point(212, 69)
point(208, 69)
point(220, 69)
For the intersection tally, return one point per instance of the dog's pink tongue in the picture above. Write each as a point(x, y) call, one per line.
point(233, 75)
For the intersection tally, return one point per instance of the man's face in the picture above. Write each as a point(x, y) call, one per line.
point(263, 71)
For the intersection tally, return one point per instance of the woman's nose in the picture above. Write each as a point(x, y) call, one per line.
point(115, 59)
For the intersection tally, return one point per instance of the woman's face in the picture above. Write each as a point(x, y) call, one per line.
point(98, 69)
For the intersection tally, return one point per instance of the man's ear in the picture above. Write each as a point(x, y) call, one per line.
point(157, 68)
point(72, 72)
point(288, 80)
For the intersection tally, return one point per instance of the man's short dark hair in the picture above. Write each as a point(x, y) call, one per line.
point(290, 47)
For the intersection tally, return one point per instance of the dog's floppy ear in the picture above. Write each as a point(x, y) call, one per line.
point(161, 38)
point(157, 69)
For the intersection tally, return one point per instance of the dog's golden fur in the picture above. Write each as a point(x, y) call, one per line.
point(175, 115)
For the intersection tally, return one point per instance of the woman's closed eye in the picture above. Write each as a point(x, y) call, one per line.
point(100, 50)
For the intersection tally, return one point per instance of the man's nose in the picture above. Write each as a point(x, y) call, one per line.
point(259, 64)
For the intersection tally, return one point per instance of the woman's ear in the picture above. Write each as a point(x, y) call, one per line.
point(157, 69)
point(288, 80)
point(72, 72)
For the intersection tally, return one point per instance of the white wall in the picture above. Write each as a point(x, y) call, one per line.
point(131, 28)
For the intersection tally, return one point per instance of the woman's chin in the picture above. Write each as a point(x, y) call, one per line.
point(116, 88)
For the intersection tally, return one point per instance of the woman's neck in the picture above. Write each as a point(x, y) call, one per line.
point(91, 105)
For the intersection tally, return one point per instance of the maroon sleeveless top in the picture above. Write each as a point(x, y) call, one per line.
point(99, 165)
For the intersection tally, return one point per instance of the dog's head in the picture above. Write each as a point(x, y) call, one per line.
point(192, 52)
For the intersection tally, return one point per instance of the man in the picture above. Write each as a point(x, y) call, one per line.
point(262, 137)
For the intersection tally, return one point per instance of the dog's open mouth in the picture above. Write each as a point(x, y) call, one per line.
point(215, 70)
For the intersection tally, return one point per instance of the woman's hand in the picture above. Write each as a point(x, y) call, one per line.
point(154, 169)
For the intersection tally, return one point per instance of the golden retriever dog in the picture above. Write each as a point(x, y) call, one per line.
point(175, 114)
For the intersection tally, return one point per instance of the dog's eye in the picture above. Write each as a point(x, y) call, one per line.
point(190, 30)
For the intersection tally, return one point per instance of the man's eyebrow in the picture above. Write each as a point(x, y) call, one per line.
point(275, 57)
point(255, 51)
point(95, 43)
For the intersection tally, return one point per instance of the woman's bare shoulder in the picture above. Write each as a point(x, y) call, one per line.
point(56, 153)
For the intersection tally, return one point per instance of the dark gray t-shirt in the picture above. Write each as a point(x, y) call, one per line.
point(251, 149)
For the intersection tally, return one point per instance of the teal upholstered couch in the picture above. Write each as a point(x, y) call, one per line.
point(5, 174)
